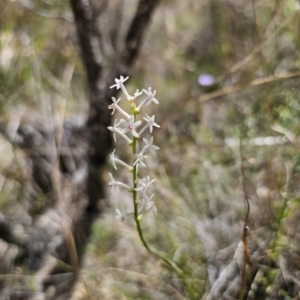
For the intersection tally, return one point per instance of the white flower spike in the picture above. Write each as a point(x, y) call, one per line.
point(139, 186)
point(130, 124)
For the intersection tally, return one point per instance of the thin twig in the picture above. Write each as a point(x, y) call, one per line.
point(224, 92)
point(240, 64)
point(27, 5)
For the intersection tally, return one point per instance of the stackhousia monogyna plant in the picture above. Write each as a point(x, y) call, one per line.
point(132, 129)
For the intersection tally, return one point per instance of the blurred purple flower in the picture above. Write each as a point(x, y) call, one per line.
point(206, 79)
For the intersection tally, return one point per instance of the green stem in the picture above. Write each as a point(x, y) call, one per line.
point(152, 251)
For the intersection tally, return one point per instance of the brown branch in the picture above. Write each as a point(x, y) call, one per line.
point(136, 34)
point(88, 34)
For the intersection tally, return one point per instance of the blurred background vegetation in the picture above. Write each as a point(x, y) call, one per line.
point(218, 143)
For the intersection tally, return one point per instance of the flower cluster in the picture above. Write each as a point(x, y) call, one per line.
point(132, 131)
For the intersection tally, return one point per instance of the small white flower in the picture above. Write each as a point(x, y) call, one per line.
point(113, 183)
point(139, 163)
point(119, 215)
point(150, 98)
point(120, 85)
point(131, 126)
point(112, 157)
point(147, 205)
point(119, 161)
point(149, 146)
point(151, 95)
point(144, 183)
point(115, 106)
point(135, 95)
point(150, 123)
point(113, 129)
point(116, 129)
point(119, 82)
